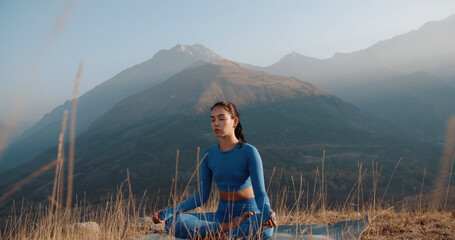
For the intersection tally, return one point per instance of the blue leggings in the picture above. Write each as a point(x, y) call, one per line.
point(194, 225)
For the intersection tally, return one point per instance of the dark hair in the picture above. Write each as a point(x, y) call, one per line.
point(230, 107)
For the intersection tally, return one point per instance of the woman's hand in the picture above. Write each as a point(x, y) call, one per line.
point(157, 219)
point(271, 222)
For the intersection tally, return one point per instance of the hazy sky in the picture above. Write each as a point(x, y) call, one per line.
point(42, 42)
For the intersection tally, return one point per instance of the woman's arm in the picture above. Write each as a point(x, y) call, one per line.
point(257, 180)
point(201, 196)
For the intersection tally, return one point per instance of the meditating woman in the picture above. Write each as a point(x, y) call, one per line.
point(244, 208)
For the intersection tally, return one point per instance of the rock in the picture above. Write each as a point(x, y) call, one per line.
point(146, 223)
point(86, 227)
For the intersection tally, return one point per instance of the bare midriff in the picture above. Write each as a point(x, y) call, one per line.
point(237, 196)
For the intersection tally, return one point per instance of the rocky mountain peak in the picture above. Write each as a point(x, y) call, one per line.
point(198, 51)
point(295, 56)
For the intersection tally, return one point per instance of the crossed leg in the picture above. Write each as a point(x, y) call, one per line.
point(194, 225)
point(237, 221)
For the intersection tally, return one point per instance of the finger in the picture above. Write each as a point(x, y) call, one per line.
point(157, 219)
point(158, 212)
point(270, 223)
point(274, 224)
point(156, 215)
point(273, 221)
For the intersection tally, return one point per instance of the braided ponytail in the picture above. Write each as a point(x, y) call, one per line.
point(239, 133)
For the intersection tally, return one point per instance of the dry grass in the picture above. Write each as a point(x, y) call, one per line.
point(115, 219)
point(125, 217)
point(118, 219)
point(407, 224)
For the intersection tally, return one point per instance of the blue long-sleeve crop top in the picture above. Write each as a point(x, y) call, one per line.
point(233, 170)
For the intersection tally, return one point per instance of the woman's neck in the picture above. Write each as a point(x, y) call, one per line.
point(227, 143)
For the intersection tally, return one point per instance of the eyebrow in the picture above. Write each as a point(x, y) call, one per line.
point(219, 115)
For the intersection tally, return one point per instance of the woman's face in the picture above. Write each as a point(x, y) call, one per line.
point(222, 123)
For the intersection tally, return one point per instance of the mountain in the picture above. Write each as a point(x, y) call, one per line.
point(296, 65)
point(290, 122)
point(100, 99)
point(414, 55)
point(13, 129)
point(419, 101)
point(428, 49)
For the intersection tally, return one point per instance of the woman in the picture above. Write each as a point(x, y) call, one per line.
point(244, 208)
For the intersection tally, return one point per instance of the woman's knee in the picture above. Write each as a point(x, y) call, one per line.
point(174, 226)
point(253, 228)
point(267, 233)
point(190, 225)
point(168, 224)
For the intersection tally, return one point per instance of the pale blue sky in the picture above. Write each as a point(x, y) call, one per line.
point(38, 63)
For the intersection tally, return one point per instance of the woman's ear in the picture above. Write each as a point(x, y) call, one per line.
point(236, 121)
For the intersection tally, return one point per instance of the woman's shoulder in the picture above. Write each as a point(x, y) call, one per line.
point(251, 153)
point(248, 148)
point(210, 149)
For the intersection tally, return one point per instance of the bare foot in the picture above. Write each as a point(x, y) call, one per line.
point(237, 221)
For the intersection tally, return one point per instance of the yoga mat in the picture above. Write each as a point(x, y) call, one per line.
point(342, 230)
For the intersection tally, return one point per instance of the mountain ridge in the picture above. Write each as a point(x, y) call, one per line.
point(197, 81)
point(348, 75)
point(101, 98)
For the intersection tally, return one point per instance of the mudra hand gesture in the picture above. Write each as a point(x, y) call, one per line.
point(157, 219)
point(271, 222)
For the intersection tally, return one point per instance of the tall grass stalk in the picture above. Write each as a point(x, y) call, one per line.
point(421, 188)
point(390, 180)
point(448, 150)
point(44, 168)
point(448, 183)
point(69, 192)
